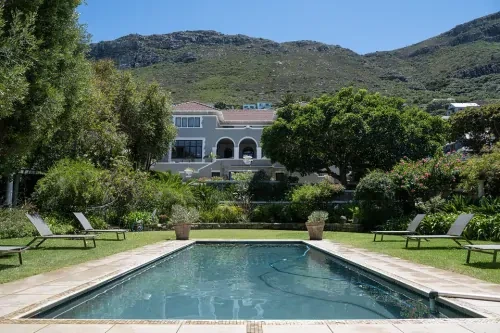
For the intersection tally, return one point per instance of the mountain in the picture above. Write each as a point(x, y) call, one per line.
point(463, 63)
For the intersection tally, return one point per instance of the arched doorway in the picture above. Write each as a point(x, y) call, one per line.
point(248, 147)
point(225, 148)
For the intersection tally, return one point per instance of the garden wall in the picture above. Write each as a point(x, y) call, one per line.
point(350, 227)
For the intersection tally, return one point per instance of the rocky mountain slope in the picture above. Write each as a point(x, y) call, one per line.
point(463, 63)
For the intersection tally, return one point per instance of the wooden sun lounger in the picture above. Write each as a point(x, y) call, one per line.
point(89, 229)
point(488, 249)
point(45, 232)
point(412, 229)
point(14, 249)
point(455, 232)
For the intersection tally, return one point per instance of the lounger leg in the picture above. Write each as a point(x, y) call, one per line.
point(407, 239)
point(20, 258)
point(495, 256)
point(374, 237)
point(94, 241)
point(43, 240)
point(117, 236)
point(468, 241)
point(419, 243)
point(84, 243)
point(382, 238)
point(468, 255)
point(124, 235)
point(34, 239)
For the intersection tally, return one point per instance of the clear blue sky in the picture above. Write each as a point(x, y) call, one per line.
point(361, 25)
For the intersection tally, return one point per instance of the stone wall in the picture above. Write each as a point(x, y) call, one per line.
point(350, 227)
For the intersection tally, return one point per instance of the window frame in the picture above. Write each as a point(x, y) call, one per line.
point(185, 121)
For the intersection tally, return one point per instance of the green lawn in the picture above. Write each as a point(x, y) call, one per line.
point(55, 254)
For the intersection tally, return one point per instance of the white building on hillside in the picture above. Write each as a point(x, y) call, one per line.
point(455, 107)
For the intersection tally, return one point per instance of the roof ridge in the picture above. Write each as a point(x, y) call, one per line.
point(196, 102)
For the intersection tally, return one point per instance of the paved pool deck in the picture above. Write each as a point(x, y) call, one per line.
point(22, 297)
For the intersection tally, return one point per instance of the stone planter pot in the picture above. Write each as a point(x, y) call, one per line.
point(315, 230)
point(182, 231)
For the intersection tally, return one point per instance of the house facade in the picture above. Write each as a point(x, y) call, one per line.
point(218, 143)
point(455, 107)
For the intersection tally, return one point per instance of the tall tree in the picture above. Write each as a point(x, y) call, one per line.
point(53, 82)
point(353, 131)
point(477, 128)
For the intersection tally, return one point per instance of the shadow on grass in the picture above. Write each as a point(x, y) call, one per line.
point(62, 248)
point(390, 241)
point(7, 266)
point(423, 248)
point(484, 265)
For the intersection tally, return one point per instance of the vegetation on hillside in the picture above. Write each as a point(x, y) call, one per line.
point(463, 63)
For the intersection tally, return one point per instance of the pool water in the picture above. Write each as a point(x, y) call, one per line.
point(248, 281)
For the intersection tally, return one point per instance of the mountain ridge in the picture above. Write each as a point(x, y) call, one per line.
point(463, 62)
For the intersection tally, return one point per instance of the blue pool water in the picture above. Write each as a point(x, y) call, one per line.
point(248, 281)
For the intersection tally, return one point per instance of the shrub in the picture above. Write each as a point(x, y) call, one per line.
point(261, 188)
point(436, 224)
point(71, 186)
point(310, 197)
point(485, 167)
point(316, 217)
point(133, 218)
point(273, 213)
point(433, 205)
point(60, 224)
point(224, 214)
point(15, 224)
point(484, 227)
point(377, 199)
point(181, 215)
point(427, 178)
point(396, 223)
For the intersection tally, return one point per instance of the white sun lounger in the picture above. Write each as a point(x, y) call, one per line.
point(412, 229)
point(487, 248)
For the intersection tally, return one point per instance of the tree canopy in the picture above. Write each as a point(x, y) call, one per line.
point(353, 131)
point(477, 127)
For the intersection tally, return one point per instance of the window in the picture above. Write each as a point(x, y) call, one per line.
point(215, 173)
point(187, 149)
point(187, 122)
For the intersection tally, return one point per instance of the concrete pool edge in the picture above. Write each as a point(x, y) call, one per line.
point(324, 246)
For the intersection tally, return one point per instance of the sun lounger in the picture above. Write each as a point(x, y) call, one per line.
point(14, 249)
point(45, 233)
point(455, 232)
point(412, 229)
point(88, 227)
point(488, 248)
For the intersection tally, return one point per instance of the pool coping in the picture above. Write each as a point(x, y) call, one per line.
point(160, 250)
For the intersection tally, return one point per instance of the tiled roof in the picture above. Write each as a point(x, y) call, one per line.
point(193, 106)
point(248, 115)
point(227, 116)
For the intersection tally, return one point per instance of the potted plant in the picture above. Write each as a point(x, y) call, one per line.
point(181, 219)
point(316, 223)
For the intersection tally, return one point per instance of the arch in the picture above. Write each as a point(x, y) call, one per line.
point(225, 138)
point(248, 138)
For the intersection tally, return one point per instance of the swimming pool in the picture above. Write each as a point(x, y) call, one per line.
point(248, 281)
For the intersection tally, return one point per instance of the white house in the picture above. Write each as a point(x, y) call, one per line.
point(455, 107)
point(218, 143)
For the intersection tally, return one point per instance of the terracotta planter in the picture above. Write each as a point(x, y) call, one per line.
point(182, 231)
point(315, 230)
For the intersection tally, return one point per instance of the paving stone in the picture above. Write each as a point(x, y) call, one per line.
point(20, 328)
point(295, 328)
point(5, 310)
point(363, 328)
point(44, 290)
point(119, 328)
point(482, 327)
point(20, 300)
point(75, 328)
point(431, 328)
point(212, 329)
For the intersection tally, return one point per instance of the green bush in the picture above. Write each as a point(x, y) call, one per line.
point(433, 205)
point(223, 214)
point(310, 197)
point(15, 224)
point(61, 225)
point(273, 213)
point(396, 223)
point(376, 196)
point(133, 218)
point(71, 186)
point(437, 224)
point(181, 214)
point(484, 227)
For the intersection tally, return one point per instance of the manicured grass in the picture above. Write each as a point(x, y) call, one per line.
point(54, 254)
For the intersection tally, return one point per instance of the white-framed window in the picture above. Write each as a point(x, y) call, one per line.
point(187, 122)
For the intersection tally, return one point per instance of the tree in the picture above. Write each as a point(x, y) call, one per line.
point(54, 44)
point(477, 127)
point(353, 131)
point(220, 106)
point(287, 99)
